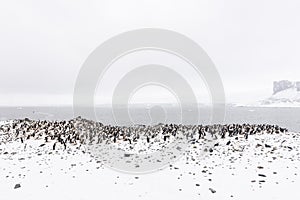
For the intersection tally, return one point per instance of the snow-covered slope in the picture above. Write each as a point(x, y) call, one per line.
point(286, 98)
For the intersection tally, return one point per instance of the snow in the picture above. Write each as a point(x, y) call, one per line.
point(72, 174)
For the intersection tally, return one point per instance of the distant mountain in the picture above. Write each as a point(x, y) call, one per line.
point(279, 86)
point(285, 94)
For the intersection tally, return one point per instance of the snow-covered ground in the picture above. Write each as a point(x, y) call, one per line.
point(262, 167)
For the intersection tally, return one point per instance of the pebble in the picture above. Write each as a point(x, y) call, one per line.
point(212, 190)
point(262, 175)
point(17, 186)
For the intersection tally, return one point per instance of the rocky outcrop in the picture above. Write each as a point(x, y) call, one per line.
point(298, 86)
point(285, 94)
point(279, 86)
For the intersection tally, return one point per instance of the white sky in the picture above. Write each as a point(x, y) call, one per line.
point(44, 43)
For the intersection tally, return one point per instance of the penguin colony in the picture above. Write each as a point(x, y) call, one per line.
point(81, 131)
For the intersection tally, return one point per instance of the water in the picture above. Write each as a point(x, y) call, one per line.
point(285, 117)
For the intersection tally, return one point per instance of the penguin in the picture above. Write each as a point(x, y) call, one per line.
point(54, 145)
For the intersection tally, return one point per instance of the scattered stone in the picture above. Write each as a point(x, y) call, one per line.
point(66, 135)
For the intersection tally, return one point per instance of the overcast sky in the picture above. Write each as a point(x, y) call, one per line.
point(44, 43)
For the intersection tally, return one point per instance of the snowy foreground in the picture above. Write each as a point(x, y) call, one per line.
point(263, 166)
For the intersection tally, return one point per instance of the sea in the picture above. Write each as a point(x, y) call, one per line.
point(145, 114)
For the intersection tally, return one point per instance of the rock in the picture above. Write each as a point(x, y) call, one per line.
point(212, 190)
point(262, 175)
point(290, 148)
point(279, 86)
point(17, 186)
point(267, 146)
point(179, 148)
point(127, 155)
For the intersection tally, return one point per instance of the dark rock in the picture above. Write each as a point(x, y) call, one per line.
point(212, 190)
point(262, 175)
point(267, 146)
point(127, 155)
point(17, 186)
point(290, 148)
point(258, 145)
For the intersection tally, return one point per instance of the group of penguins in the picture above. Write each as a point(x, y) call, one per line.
point(81, 131)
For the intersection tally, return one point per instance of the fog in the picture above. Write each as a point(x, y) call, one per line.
point(44, 44)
